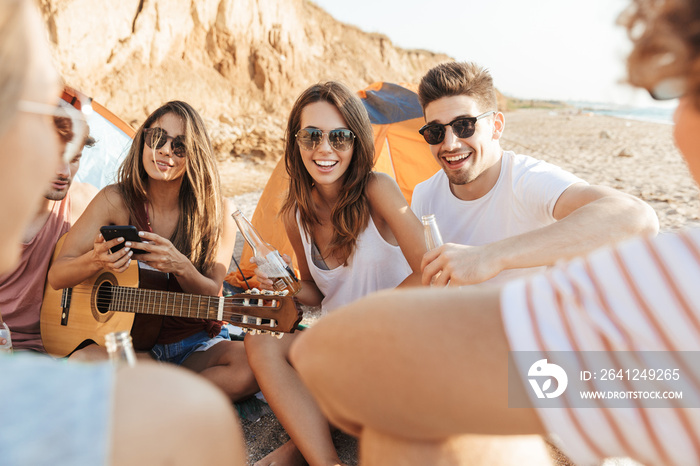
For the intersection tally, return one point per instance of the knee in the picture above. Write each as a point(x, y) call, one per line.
point(261, 349)
point(89, 353)
point(184, 409)
point(296, 352)
point(301, 356)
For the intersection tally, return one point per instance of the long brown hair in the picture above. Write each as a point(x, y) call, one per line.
point(350, 214)
point(198, 229)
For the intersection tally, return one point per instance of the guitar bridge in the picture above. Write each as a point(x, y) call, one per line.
point(65, 305)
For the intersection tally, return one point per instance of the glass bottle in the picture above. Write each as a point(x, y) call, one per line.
point(433, 239)
point(268, 258)
point(5, 333)
point(120, 348)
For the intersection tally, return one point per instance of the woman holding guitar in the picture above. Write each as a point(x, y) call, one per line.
point(168, 187)
point(352, 232)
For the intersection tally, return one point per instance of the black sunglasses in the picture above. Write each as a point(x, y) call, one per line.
point(311, 138)
point(463, 127)
point(157, 137)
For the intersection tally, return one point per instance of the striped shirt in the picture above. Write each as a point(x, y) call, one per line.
point(642, 295)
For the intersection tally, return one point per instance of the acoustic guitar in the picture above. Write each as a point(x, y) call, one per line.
point(108, 302)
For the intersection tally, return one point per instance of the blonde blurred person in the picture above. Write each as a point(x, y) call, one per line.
point(59, 412)
point(641, 295)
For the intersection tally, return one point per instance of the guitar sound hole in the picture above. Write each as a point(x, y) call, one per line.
point(104, 297)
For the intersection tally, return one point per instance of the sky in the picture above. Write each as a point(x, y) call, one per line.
point(537, 49)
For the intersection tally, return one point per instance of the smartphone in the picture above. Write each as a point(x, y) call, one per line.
point(128, 232)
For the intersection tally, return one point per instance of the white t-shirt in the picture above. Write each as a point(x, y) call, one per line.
point(642, 295)
point(522, 200)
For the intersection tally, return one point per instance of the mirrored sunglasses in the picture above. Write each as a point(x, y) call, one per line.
point(63, 109)
point(463, 127)
point(157, 137)
point(339, 139)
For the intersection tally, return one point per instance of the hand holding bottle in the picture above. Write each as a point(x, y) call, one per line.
point(270, 263)
point(266, 282)
point(433, 240)
point(5, 338)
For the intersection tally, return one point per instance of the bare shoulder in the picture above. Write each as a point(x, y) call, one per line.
point(382, 190)
point(113, 198)
point(107, 205)
point(379, 182)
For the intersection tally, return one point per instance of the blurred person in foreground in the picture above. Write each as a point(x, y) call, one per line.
point(63, 412)
point(22, 289)
point(414, 407)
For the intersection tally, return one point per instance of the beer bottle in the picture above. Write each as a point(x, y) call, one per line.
point(433, 239)
point(269, 260)
point(120, 348)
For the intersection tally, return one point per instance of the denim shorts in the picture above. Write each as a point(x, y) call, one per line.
point(177, 352)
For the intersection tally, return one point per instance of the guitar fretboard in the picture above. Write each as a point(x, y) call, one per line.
point(165, 303)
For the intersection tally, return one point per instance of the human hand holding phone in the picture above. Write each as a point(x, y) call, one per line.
point(128, 232)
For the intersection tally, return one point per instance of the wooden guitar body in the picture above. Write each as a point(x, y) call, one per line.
point(64, 328)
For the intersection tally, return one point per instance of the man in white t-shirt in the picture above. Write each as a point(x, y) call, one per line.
point(504, 214)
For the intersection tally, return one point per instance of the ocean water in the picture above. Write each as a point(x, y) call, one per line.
point(660, 114)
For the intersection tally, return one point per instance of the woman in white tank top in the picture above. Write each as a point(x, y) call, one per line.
point(352, 232)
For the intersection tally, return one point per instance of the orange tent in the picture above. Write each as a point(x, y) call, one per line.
point(400, 152)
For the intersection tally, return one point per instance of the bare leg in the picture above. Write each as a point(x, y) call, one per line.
point(467, 450)
point(90, 353)
point(418, 365)
point(164, 415)
point(226, 365)
point(93, 353)
point(291, 402)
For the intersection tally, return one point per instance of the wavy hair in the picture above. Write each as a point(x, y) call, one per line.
point(666, 44)
point(198, 231)
point(350, 214)
point(458, 78)
point(64, 129)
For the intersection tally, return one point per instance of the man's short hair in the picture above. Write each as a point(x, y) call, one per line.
point(458, 78)
point(64, 128)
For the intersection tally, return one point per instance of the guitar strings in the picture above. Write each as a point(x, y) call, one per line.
point(201, 306)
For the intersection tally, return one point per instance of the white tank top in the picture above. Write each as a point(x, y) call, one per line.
point(374, 265)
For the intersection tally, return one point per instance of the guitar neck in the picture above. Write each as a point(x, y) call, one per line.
point(166, 303)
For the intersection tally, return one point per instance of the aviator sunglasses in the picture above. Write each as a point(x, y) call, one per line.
point(463, 127)
point(157, 137)
point(339, 139)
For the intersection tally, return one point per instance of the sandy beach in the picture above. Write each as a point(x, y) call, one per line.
point(636, 157)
